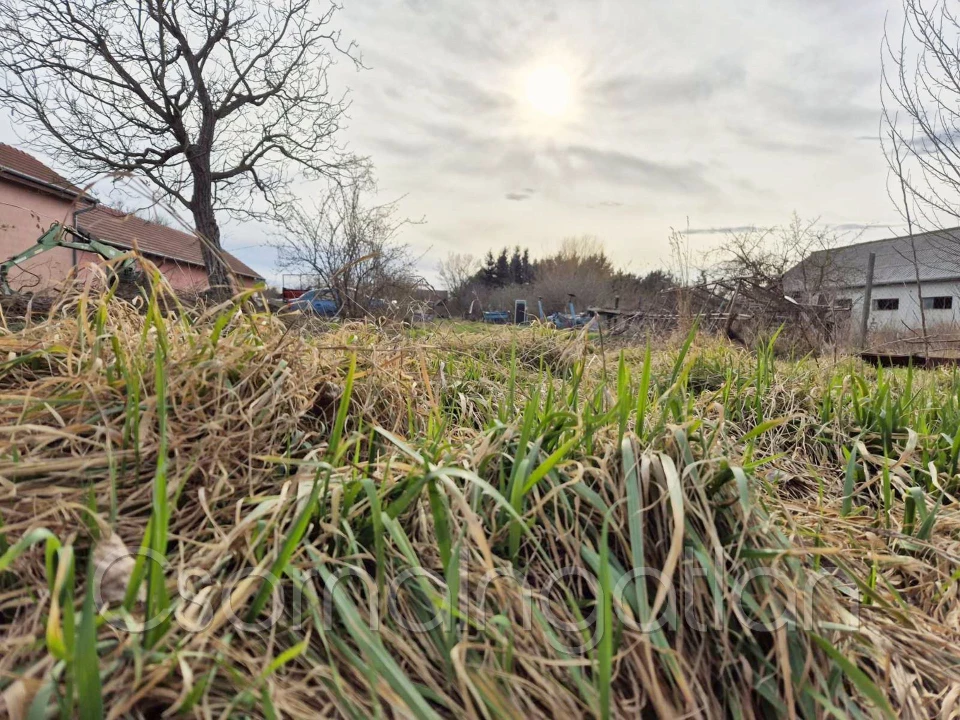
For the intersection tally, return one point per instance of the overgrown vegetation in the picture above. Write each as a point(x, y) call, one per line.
point(501, 523)
point(580, 267)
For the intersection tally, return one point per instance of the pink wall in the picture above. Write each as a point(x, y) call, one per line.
point(188, 277)
point(26, 214)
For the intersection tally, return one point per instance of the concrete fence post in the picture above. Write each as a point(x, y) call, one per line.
point(867, 299)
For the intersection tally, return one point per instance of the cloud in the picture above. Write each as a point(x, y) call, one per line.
point(605, 204)
point(622, 167)
point(825, 109)
point(518, 196)
point(406, 149)
point(464, 96)
point(721, 230)
point(756, 138)
point(940, 143)
point(853, 227)
point(729, 229)
point(645, 89)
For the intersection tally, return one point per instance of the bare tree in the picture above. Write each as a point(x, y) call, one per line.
point(215, 102)
point(921, 112)
point(349, 247)
point(783, 274)
point(896, 163)
point(457, 271)
point(764, 256)
point(682, 268)
point(580, 267)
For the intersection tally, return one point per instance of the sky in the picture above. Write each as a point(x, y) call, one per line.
point(521, 122)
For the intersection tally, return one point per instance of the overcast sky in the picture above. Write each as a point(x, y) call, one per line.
point(720, 114)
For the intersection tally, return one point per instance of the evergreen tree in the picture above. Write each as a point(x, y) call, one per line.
point(526, 269)
point(488, 273)
point(516, 267)
point(503, 269)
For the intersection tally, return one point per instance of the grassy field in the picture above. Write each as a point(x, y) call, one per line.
point(215, 515)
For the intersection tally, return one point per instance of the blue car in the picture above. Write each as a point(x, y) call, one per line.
point(322, 302)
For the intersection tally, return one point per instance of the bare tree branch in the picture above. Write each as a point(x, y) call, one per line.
point(349, 247)
point(921, 117)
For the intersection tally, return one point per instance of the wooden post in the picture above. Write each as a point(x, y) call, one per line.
point(731, 311)
point(867, 298)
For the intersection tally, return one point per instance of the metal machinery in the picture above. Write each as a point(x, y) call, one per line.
point(57, 236)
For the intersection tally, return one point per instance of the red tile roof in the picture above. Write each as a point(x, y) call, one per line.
point(20, 162)
point(123, 229)
point(116, 227)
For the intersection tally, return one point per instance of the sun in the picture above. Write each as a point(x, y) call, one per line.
point(548, 90)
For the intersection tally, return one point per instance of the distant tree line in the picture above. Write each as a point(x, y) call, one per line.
point(500, 271)
point(580, 267)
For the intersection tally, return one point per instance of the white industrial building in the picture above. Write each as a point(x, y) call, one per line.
point(838, 276)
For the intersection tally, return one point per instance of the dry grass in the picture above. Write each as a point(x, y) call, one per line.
point(493, 496)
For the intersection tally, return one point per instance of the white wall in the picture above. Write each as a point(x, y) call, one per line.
point(907, 316)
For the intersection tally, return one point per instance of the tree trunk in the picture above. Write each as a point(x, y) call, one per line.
point(219, 276)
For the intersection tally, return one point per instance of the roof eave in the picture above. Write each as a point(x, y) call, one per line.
point(128, 246)
point(911, 283)
point(22, 178)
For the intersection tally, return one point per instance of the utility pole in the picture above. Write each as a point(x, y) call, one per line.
point(867, 298)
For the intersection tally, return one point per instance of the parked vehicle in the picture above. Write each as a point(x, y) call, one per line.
point(324, 302)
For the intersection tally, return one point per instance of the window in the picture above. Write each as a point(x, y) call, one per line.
point(938, 302)
point(843, 304)
point(886, 304)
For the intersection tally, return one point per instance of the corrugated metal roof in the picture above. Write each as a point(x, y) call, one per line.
point(938, 258)
point(123, 229)
point(120, 228)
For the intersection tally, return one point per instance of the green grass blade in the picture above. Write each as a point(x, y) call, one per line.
point(849, 481)
point(605, 647)
point(289, 546)
point(342, 409)
point(86, 662)
point(373, 651)
point(859, 678)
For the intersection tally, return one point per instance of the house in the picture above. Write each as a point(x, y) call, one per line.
point(33, 196)
point(838, 276)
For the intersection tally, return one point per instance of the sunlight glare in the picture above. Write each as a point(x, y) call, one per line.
point(548, 90)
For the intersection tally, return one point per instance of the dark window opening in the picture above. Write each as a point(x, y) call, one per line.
point(886, 304)
point(939, 302)
point(843, 304)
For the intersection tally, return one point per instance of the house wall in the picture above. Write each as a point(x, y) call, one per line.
point(26, 214)
point(189, 278)
point(907, 315)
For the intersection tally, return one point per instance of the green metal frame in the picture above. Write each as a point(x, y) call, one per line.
point(54, 238)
